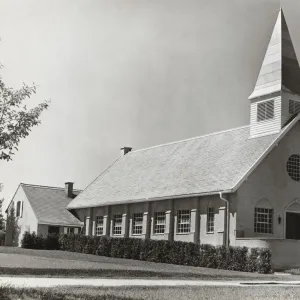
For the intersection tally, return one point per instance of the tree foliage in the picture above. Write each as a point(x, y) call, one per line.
point(16, 119)
point(2, 222)
point(12, 228)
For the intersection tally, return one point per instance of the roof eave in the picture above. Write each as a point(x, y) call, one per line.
point(227, 191)
point(61, 224)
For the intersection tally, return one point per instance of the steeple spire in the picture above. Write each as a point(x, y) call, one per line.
point(280, 69)
point(276, 96)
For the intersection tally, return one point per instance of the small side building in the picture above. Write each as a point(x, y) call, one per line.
point(42, 209)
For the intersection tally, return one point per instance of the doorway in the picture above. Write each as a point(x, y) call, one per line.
point(53, 230)
point(292, 226)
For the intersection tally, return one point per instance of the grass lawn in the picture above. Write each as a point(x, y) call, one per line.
point(18, 261)
point(151, 293)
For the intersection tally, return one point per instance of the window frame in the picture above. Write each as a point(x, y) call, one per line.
point(265, 224)
point(293, 167)
point(157, 228)
point(183, 227)
point(117, 226)
point(294, 107)
point(70, 230)
point(265, 111)
point(18, 208)
point(137, 223)
point(210, 220)
point(99, 225)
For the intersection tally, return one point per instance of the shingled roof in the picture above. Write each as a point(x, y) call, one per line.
point(49, 204)
point(207, 164)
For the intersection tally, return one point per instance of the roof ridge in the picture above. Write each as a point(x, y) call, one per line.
point(45, 186)
point(193, 138)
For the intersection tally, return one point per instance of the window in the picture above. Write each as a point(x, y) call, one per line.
point(69, 230)
point(210, 226)
point(183, 221)
point(265, 110)
point(18, 212)
point(294, 107)
point(263, 220)
point(99, 225)
point(117, 225)
point(293, 167)
point(137, 226)
point(159, 222)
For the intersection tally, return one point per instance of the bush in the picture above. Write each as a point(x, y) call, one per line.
point(51, 242)
point(264, 261)
point(27, 241)
point(175, 252)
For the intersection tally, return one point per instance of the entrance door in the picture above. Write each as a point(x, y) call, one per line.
point(292, 226)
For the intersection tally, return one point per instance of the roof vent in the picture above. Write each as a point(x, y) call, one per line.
point(69, 189)
point(125, 150)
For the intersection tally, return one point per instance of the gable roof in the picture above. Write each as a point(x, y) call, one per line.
point(49, 204)
point(280, 68)
point(208, 164)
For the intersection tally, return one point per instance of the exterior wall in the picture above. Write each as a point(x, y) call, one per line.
point(285, 253)
point(197, 206)
point(43, 229)
point(217, 237)
point(270, 181)
point(167, 207)
point(27, 221)
point(140, 208)
point(267, 126)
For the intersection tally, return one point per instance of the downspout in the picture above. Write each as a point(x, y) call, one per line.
point(227, 218)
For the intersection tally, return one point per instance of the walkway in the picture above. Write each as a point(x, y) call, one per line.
point(101, 282)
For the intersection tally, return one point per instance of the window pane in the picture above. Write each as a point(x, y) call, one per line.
point(117, 221)
point(183, 221)
point(99, 225)
point(159, 222)
point(263, 220)
point(137, 226)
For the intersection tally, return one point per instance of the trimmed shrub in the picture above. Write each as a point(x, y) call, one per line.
point(264, 261)
point(104, 246)
point(32, 241)
point(161, 251)
point(91, 245)
point(27, 241)
point(252, 260)
point(51, 242)
point(208, 255)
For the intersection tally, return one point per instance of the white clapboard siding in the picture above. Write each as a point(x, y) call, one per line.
point(267, 126)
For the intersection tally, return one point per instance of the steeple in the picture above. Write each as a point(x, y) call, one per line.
point(278, 83)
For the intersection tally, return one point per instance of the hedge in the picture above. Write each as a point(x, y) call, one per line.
point(179, 253)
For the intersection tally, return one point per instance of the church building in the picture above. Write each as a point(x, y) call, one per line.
point(238, 187)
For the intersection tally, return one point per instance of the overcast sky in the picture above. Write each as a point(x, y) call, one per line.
point(129, 73)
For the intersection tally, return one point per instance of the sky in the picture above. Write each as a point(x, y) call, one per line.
point(129, 73)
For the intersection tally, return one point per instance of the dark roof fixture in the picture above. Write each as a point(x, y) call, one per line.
point(125, 150)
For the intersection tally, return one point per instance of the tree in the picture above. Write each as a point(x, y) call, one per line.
point(12, 228)
point(2, 222)
point(16, 120)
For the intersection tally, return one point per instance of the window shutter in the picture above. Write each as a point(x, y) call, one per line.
point(65, 230)
point(21, 209)
point(76, 230)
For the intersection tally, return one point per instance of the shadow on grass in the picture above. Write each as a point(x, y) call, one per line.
point(10, 293)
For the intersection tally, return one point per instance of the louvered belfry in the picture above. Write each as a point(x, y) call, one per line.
point(278, 81)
